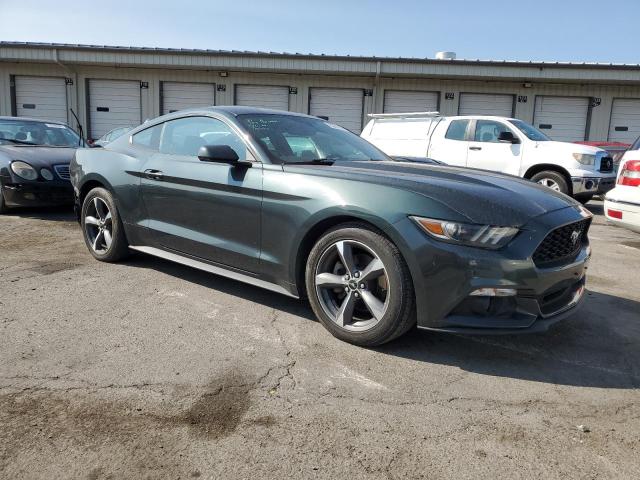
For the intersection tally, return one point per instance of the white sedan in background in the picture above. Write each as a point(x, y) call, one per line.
point(622, 204)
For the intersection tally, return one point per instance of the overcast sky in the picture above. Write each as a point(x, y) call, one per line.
point(566, 30)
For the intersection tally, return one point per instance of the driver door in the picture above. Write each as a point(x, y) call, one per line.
point(488, 153)
point(203, 209)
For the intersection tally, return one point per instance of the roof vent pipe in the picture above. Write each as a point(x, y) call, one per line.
point(445, 55)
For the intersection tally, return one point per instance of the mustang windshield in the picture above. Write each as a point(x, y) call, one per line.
point(293, 139)
point(530, 131)
point(29, 132)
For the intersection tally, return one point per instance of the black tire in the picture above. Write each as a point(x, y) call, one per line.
point(118, 248)
point(399, 313)
point(584, 199)
point(554, 177)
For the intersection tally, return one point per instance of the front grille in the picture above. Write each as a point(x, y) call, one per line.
point(562, 244)
point(606, 164)
point(62, 171)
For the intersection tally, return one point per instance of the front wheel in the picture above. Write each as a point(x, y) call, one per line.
point(102, 228)
point(359, 286)
point(553, 180)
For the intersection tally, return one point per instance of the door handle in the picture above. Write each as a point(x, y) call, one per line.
point(475, 148)
point(154, 174)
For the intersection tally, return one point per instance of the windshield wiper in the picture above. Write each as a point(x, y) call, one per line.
point(317, 161)
point(18, 142)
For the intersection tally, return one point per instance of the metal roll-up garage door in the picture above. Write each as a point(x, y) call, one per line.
point(402, 101)
point(44, 98)
point(562, 118)
point(264, 96)
point(498, 105)
point(625, 120)
point(113, 104)
point(342, 106)
point(178, 96)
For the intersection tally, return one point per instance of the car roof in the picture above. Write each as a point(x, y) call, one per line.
point(228, 110)
point(29, 119)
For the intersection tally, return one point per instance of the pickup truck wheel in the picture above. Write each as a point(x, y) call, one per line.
point(359, 286)
point(102, 228)
point(553, 180)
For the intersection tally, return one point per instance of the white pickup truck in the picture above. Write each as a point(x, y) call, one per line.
point(506, 145)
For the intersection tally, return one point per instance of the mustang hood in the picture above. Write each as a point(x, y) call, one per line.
point(39, 156)
point(480, 196)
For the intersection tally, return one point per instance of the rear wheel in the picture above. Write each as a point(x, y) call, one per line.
point(102, 228)
point(553, 180)
point(359, 286)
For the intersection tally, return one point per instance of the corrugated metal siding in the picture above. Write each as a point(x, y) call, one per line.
point(303, 80)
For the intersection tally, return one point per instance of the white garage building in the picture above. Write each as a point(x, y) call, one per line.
point(109, 87)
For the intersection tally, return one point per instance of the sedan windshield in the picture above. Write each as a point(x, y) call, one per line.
point(29, 132)
point(293, 139)
point(530, 131)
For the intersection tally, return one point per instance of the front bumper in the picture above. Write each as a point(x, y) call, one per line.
point(445, 275)
point(38, 193)
point(592, 185)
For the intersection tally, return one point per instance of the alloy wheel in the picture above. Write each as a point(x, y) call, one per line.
point(550, 183)
point(98, 225)
point(352, 285)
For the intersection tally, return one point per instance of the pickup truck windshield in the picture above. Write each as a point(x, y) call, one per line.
point(531, 132)
point(293, 139)
point(29, 132)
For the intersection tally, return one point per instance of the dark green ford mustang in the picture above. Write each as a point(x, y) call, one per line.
point(302, 207)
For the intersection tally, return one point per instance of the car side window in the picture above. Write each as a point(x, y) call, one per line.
point(302, 147)
point(149, 137)
point(489, 131)
point(457, 130)
point(185, 136)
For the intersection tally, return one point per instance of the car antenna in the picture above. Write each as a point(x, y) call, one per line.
point(79, 126)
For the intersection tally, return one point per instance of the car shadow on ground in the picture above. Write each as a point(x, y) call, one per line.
point(597, 208)
point(598, 347)
point(51, 214)
point(225, 285)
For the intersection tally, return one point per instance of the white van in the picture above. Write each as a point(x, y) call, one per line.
point(506, 145)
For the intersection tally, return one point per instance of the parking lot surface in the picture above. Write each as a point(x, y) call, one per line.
point(148, 369)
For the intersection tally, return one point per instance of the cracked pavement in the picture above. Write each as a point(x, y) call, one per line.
point(148, 369)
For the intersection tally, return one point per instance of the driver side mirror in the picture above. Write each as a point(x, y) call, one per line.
point(508, 137)
point(221, 154)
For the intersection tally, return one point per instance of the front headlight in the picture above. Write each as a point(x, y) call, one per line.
point(585, 158)
point(483, 236)
point(24, 170)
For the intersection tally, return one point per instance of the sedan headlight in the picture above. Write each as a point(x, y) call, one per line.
point(24, 170)
point(483, 236)
point(585, 158)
